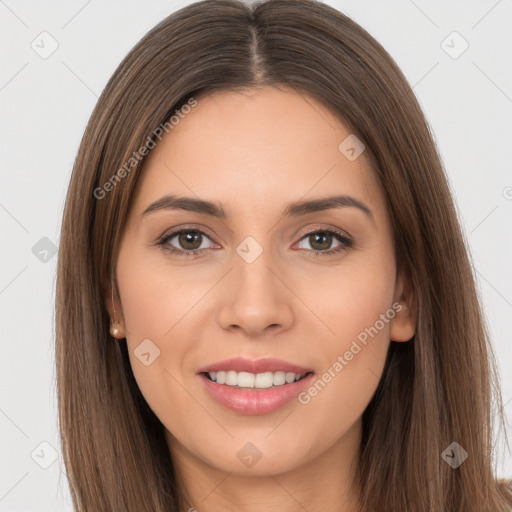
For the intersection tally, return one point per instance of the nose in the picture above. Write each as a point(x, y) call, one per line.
point(257, 300)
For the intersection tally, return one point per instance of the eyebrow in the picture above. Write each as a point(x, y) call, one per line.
point(295, 209)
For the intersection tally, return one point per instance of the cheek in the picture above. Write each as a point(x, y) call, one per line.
point(150, 309)
point(363, 298)
point(353, 362)
point(153, 299)
point(349, 298)
point(356, 309)
point(163, 312)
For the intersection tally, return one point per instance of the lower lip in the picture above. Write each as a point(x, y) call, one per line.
point(252, 400)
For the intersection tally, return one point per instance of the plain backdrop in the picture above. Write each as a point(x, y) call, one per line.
point(46, 100)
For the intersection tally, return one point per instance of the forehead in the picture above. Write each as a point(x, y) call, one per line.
point(253, 148)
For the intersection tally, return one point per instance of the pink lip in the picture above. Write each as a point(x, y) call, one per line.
point(255, 401)
point(267, 364)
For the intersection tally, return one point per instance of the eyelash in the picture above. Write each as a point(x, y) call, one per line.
point(345, 242)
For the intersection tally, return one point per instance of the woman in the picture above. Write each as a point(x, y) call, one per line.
point(264, 298)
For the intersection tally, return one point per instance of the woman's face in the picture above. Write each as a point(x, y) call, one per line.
point(265, 281)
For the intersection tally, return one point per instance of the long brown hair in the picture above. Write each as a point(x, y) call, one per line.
point(440, 388)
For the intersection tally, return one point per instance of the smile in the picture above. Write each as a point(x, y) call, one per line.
point(248, 380)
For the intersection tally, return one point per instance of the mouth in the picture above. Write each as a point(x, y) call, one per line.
point(248, 380)
point(254, 387)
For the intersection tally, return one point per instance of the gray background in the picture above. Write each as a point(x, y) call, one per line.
point(45, 104)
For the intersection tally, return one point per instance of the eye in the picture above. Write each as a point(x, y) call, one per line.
point(321, 240)
point(189, 242)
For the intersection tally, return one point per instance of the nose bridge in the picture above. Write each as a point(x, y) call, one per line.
point(254, 277)
point(258, 298)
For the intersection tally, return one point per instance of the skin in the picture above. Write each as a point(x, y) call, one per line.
point(255, 152)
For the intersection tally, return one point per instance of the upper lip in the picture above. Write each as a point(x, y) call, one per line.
point(267, 364)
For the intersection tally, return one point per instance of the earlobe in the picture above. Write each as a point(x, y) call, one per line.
point(403, 325)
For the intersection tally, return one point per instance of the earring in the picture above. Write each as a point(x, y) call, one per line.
point(115, 331)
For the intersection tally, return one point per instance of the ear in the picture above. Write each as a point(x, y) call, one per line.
point(115, 310)
point(403, 325)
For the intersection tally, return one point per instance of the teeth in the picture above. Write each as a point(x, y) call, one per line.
point(255, 380)
point(231, 378)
